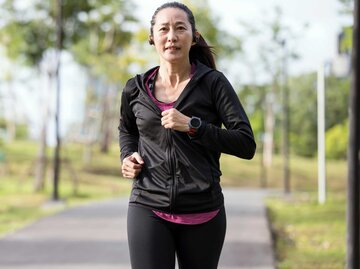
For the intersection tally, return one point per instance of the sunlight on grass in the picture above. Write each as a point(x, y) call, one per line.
point(20, 205)
point(308, 235)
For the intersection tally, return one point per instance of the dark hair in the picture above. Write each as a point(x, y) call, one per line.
point(200, 51)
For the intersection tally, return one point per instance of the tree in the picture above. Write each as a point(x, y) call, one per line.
point(103, 52)
point(59, 47)
point(303, 132)
point(275, 52)
point(26, 35)
point(30, 33)
point(253, 100)
point(337, 94)
point(353, 208)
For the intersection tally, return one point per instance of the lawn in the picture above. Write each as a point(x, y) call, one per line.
point(308, 235)
point(79, 183)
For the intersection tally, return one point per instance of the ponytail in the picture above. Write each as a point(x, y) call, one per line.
point(203, 53)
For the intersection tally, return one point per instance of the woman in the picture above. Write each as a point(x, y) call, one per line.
point(171, 140)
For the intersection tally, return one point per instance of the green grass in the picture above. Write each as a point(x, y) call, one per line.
point(308, 235)
point(79, 183)
point(237, 172)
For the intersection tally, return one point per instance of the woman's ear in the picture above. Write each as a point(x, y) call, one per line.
point(151, 40)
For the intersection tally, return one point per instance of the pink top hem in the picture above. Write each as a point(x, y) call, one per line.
point(190, 219)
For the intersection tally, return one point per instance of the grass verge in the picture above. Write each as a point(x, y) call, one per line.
point(306, 234)
point(79, 183)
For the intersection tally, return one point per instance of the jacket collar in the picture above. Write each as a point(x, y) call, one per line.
point(201, 70)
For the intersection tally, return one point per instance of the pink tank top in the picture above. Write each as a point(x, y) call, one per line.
point(193, 218)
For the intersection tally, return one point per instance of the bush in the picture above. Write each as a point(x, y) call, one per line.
point(337, 139)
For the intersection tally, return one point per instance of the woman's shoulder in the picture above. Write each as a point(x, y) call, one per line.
point(130, 86)
point(213, 77)
point(131, 82)
point(208, 72)
point(137, 80)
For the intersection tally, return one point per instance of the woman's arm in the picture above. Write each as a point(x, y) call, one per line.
point(237, 138)
point(128, 132)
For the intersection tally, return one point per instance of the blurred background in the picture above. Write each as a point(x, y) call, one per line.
point(64, 64)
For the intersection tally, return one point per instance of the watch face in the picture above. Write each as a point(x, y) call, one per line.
point(195, 122)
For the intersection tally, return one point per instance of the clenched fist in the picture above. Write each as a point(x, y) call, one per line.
point(131, 165)
point(173, 119)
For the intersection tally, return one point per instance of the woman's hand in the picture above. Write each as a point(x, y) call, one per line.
point(173, 119)
point(131, 165)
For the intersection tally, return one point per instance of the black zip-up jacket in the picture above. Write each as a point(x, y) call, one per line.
point(181, 174)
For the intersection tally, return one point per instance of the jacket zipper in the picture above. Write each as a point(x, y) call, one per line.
point(173, 184)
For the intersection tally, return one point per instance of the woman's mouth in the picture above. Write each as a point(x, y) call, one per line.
point(172, 48)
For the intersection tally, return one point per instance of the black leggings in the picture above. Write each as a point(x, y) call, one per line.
point(153, 241)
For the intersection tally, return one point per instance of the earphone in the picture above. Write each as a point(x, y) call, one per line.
point(196, 39)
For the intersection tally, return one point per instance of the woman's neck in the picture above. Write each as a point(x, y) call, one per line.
point(174, 74)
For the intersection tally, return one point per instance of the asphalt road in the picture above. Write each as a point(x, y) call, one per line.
point(94, 237)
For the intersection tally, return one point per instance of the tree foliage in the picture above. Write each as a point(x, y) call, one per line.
point(303, 111)
point(105, 34)
point(336, 100)
point(304, 114)
point(26, 33)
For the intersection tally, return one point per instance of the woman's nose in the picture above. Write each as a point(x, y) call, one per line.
point(171, 35)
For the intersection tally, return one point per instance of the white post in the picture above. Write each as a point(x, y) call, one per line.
point(321, 134)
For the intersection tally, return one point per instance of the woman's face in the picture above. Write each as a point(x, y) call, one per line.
point(172, 35)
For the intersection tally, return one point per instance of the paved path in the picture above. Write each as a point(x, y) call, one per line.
point(94, 237)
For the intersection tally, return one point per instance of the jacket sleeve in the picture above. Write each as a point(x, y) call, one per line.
point(237, 137)
point(128, 132)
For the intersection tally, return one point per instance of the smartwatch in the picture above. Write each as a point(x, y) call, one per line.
point(194, 125)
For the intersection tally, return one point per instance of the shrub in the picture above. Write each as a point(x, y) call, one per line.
point(337, 139)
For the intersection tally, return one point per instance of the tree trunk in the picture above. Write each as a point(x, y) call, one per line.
point(106, 128)
point(57, 158)
point(269, 129)
point(41, 163)
point(353, 195)
point(104, 136)
point(286, 124)
point(91, 122)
